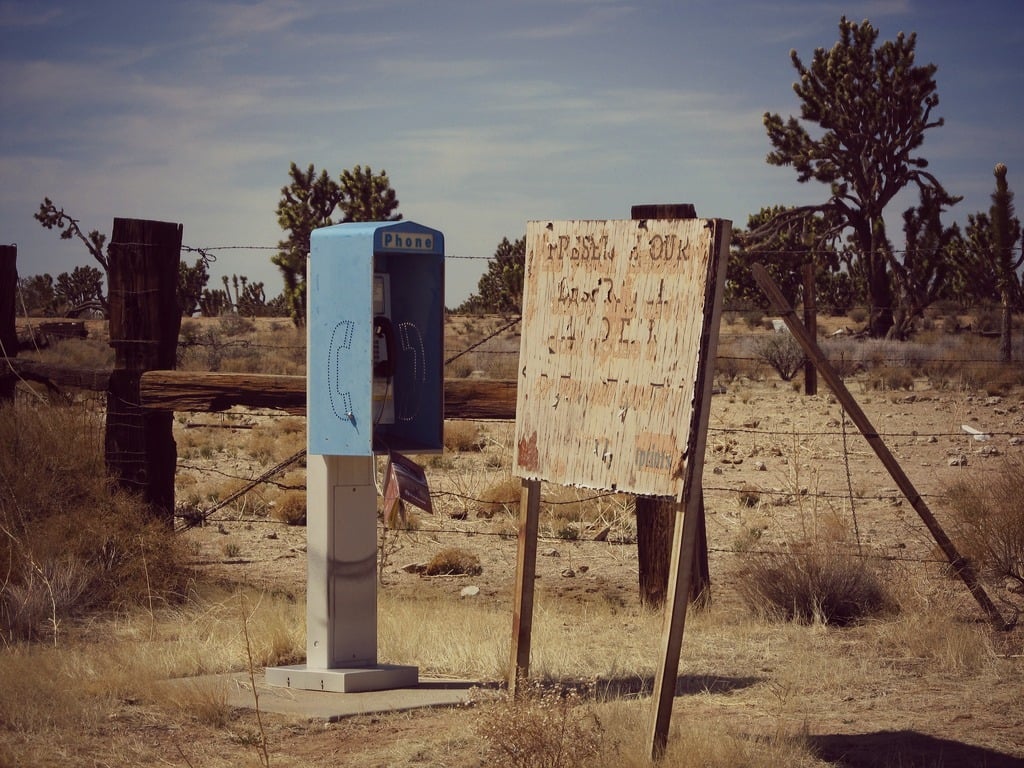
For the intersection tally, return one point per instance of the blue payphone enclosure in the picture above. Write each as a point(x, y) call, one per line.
point(351, 266)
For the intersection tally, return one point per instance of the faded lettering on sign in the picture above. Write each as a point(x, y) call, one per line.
point(613, 315)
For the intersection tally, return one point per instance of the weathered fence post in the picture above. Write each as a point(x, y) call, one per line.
point(144, 323)
point(656, 516)
point(8, 335)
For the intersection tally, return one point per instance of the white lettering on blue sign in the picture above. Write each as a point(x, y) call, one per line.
point(399, 241)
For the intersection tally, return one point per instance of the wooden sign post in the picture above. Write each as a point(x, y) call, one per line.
point(620, 328)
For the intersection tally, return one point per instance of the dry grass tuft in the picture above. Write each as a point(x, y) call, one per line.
point(462, 436)
point(290, 508)
point(988, 519)
point(500, 497)
point(203, 699)
point(956, 647)
point(818, 585)
point(453, 561)
point(543, 726)
point(71, 543)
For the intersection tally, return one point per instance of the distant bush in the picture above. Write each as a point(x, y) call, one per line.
point(782, 352)
point(236, 325)
point(987, 321)
point(753, 318)
point(891, 377)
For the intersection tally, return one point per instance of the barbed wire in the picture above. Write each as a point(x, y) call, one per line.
point(746, 489)
point(610, 541)
point(755, 252)
point(487, 338)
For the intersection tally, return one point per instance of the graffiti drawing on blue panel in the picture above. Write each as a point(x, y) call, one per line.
point(412, 345)
point(340, 395)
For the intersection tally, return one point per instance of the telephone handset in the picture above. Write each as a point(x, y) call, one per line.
point(398, 359)
point(383, 332)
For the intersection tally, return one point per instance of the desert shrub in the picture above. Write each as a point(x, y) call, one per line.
point(503, 365)
point(728, 367)
point(730, 316)
point(747, 538)
point(890, 377)
point(199, 348)
point(988, 519)
point(502, 496)
point(1000, 379)
point(858, 315)
point(753, 318)
point(71, 543)
point(979, 375)
point(987, 321)
point(236, 325)
point(732, 362)
point(462, 436)
point(816, 585)
point(78, 353)
point(543, 727)
point(950, 323)
point(941, 373)
point(290, 508)
point(453, 561)
point(236, 344)
point(843, 354)
point(460, 368)
point(782, 352)
point(241, 358)
point(749, 495)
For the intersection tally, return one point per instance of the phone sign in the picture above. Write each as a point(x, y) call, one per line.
point(407, 241)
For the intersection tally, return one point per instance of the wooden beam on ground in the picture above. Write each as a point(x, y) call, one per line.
point(58, 376)
point(962, 567)
point(211, 392)
point(480, 399)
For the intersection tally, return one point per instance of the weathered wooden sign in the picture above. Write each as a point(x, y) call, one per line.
point(614, 313)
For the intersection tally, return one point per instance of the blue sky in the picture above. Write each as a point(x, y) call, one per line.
point(485, 114)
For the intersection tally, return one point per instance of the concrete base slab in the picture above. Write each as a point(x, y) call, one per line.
point(379, 677)
point(330, 706)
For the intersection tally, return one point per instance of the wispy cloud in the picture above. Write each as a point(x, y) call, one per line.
point(266, 16)
point(432, 68)
point(25, 15)
point(593, 18)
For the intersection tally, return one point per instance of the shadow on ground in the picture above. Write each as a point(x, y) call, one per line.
point(907, 749)
point(636, 687)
